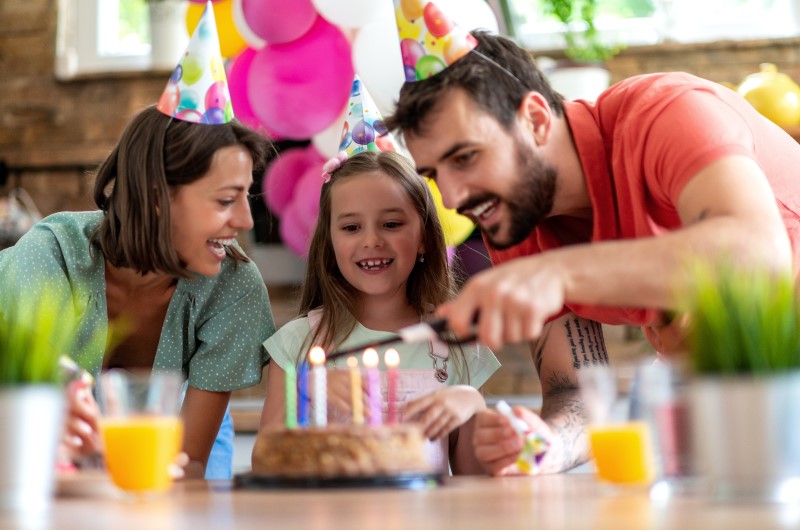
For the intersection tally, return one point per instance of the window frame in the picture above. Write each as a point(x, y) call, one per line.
point(78, 38)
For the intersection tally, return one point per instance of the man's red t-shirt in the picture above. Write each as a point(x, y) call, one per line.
point(639, 145)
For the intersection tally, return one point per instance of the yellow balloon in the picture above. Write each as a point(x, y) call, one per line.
point(457, 228)
point(231, 43)
point(406, 28)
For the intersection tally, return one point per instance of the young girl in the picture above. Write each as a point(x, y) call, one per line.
point(377, 263)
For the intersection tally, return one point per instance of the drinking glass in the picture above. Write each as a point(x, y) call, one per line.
point(621, 445)
point(141, 430)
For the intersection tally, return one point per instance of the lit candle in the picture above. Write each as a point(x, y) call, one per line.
point(355, 390)
point(370, 360)
point(317, 358)
point(391, 358)
point(291, 397)
point(303, 402)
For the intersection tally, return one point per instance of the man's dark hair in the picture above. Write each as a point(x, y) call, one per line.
point(496, 91)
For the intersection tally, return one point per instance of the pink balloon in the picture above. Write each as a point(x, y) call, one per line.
point(306, 194)
point(294, 233)
point(282, 176)
point(279, 21)
point(298, 89)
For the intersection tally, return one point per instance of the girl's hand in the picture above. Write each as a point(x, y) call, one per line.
point(81, 436)
point(339, 393)
point(441, 412)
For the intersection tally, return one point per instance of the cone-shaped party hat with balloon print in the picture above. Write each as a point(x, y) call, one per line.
point(363, 128)
point(429, 40)
point(197, 91)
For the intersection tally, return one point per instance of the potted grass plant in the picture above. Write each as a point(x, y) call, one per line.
point(744, 343)
point(33, 335)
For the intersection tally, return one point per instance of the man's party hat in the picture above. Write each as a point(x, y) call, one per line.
point(429, 40)
point(197, 90)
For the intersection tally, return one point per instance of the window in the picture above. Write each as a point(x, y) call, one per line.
point(101, 36)
point(634, 22)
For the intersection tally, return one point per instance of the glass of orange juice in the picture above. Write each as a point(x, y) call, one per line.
point(621, 446)
point(141, 429)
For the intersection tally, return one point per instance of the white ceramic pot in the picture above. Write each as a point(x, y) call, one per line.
point(32, 419)
point(168, 37)
point(746, 436)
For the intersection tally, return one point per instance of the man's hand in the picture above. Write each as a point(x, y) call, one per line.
point(441, 412)
point(497, 444)
point(513, 301)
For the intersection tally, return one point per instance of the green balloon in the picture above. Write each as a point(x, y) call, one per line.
point(427, 66)
point(192, 70)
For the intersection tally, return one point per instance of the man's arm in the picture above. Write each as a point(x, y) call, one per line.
point(566, 345)
point(728, 211)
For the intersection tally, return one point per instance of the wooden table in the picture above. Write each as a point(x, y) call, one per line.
point(558, 502)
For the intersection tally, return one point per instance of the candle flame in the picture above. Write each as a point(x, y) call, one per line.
point(370, 358)
point(352, 362)
point(391, 358)
point(316, 356)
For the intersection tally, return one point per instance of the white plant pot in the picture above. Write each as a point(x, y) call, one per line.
point(32, 419)
point(168, 37)
point(746, 437)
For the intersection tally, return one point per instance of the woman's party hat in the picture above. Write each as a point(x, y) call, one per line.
point(363, 128)
point(197, 90)
point(429, 40)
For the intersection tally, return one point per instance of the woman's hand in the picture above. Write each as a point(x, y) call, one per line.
point(81, 435)
point(443, 411)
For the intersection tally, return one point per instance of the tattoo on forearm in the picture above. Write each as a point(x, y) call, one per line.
point(586, 342)
point(563, 409)
point(537, 349)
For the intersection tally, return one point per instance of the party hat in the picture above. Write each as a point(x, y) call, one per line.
point(429, 40)
point(363, 128)
point(197, 90)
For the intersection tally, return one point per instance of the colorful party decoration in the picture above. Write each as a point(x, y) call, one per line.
point(283, 175)
point(356, 394)
point(429, 40)
point(197, 90)
point(347, 13)
point(299, 88)
point(231, 43)
point(243, 26)
point(279, 21)
point(457, 228)
point(363, 128)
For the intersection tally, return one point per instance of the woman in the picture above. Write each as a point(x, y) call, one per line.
point(161, 256)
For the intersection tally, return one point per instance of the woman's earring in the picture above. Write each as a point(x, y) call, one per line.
point(421, 258)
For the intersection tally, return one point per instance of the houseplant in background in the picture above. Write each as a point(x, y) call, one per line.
point(32, 338)
point(744, 344)
point(583, 75)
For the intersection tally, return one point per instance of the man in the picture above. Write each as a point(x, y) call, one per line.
point(590, 211)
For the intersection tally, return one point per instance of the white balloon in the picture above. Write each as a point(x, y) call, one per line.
point(377, 59)
point(470, 14)
point(348, 13)
point(239, 21)
point(327, 141)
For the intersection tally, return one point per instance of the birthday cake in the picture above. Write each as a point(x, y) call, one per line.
point(340, 451)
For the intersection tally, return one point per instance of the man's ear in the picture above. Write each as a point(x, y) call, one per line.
point(535, 116)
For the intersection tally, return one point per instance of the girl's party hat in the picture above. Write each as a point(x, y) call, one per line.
point(197, 90)
point(363, 128)
point(429, 40)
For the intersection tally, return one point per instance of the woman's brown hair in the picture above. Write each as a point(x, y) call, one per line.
point(156, 154)
point(429, 284)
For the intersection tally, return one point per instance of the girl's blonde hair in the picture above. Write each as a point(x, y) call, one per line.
point(429, 284)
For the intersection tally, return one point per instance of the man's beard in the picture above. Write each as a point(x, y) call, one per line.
point(530, 200)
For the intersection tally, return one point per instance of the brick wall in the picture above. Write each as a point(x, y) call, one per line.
point(57, 132)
